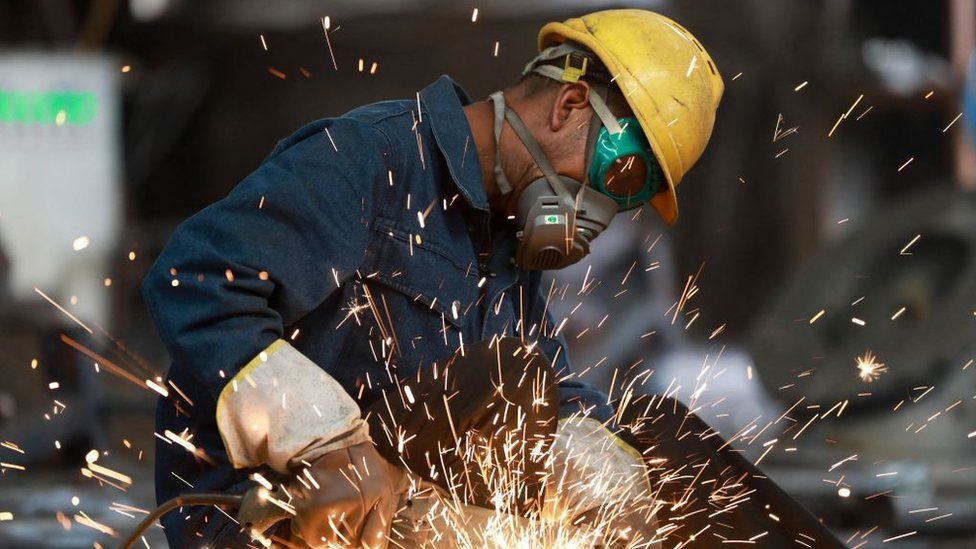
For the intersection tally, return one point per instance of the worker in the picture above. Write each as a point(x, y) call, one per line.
point(370, 248)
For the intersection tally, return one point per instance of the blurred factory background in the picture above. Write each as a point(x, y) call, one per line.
point(832, 217)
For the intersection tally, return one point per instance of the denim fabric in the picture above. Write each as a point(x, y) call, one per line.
point(361, 234)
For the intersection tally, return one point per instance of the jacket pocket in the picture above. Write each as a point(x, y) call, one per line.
point(426, 272)
point(409, 308)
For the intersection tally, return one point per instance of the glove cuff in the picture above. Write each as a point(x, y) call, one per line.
point(282, 408)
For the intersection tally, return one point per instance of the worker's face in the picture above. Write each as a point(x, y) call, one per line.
point(560, 121)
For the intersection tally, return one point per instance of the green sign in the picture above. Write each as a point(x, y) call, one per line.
point(552, 219)
point(76, 108)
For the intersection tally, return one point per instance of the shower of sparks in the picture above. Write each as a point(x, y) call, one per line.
point(557, 524)
point(868, 368)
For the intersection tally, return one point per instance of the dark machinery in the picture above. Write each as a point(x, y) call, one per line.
point(909, 275)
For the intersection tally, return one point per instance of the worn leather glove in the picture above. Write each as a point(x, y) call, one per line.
point(346, 498)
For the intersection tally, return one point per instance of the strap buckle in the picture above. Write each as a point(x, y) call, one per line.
point(574, 73)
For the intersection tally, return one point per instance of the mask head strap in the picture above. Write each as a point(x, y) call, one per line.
point(530, 144)
point(572, 73)
point(498, 101)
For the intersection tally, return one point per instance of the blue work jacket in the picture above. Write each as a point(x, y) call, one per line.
point(367, 242)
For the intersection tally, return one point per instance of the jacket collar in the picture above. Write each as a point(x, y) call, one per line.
point(443, 100)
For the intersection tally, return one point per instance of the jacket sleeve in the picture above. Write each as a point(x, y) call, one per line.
point(235, 274)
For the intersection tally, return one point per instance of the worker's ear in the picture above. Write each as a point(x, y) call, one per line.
point(571, 97)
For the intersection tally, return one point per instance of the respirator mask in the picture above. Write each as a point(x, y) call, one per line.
point(558, 217)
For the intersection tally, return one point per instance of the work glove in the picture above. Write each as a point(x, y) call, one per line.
point(600, 483)
point(345, 498)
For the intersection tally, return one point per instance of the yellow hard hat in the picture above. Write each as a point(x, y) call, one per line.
point(666, 76)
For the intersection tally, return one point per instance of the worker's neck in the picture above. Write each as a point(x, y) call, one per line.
point(516, 161)
point(481, 119)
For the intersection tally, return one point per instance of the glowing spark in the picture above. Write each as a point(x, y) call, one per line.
point(62, 309)
point(326, 25)
point(905, 535)
point(257, 477)
point(958, 116)
point(80, 243)
point(867, 110)
point(844, 115)
point(157, 387)
point(868, 368)
point(904, 251)
point(106, 472)
point(85, 520)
